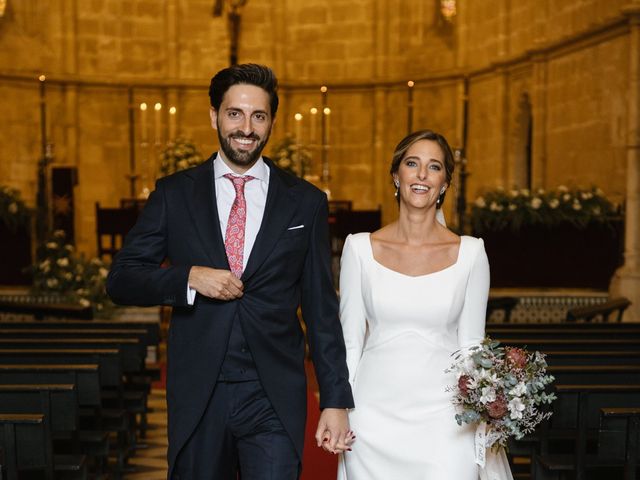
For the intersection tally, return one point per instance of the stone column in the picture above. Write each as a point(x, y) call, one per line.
point(626, 281)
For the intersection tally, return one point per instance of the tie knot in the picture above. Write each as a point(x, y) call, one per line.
point(238, 181)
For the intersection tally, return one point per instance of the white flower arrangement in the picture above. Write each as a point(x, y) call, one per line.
point(60, 271)
point(180, 155)
point(502, 388)
point(292, 157)
point(499, 209)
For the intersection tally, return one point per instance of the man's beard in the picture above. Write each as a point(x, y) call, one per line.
point(240, 157)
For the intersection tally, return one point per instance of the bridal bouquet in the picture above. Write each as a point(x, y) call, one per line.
point(500, 389)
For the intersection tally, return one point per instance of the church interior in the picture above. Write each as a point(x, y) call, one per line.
point(539, 100)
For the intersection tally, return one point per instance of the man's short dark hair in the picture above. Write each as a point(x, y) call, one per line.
point(247, 74)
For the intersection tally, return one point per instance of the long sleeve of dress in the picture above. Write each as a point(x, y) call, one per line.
point(472, 318)
point(352, 310)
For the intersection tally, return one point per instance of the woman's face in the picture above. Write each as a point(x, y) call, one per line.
point(421, 174)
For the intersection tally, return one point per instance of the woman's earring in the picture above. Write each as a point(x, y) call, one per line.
point(439, 200)
point(397, 184)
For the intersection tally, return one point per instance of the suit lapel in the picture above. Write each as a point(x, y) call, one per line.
point(204, 211)
point(278, 211)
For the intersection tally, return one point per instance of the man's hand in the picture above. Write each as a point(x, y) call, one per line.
point(214, 283)
point(333, 432)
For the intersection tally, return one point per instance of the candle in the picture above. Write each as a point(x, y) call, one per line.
point(410, 85)
point(158, 123)
point(298, 129)
point(312, 129)
point(172, 123)
point(327, 115)
point(143, 122)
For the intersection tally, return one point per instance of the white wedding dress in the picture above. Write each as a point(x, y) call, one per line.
point(400, 332)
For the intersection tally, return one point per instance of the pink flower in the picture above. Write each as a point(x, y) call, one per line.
point(498, 408)
point(463, 384)
point(516, 357)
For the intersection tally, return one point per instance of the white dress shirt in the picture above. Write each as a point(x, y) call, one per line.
point(255, 194)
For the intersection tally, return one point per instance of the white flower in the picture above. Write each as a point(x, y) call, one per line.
point(480, 203)
point(541, 191)
point(512, 207)
point(576, 205)
point(52, 282)
point(525, 192)
point(63, 262)
point(516, 408)
point(554, 202)
point(513, 193)
point(566, 197)
point(562, 188)
point(488, 395)
point(68, 276)
point(536, 202)
point(519, 390)
point(494, 207)
point(586, 195)
point(103, 272)
point(52, 245)
point(84, 302)
point(13, 207)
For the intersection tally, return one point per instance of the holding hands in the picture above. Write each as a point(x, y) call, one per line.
point(333, 433)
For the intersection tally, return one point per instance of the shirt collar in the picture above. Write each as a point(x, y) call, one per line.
point(259, 169)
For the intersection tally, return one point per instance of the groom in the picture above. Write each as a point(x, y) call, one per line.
point(247, 244)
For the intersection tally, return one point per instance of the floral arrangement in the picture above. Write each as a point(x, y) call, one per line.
point(292, 157)
point(179, 155)
point(500, 209)
point(13, 211)
point(502, 388)
point(61, 271)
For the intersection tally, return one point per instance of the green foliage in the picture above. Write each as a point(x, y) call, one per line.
point(180, 155)
point(14, 213)
point(61, 271)
point(499, 209)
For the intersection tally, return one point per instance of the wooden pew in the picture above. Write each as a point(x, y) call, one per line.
point(576, 419)
point(563, 325)
point(550, 344)
point(619, 438)
point(595, 374)
point(87, 380)
point(40, 310)
point(132, 351)
point(24, 444)
point(505, 334)
point(586, 357)
point(59, 405)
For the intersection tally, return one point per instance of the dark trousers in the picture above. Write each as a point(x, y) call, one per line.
point(239, 436)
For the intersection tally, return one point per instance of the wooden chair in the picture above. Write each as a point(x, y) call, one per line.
point(602, 311)
point(112, 226)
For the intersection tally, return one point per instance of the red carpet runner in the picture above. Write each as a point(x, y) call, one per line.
point(316, 463)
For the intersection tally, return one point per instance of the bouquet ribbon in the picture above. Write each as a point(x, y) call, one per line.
point(493, 465)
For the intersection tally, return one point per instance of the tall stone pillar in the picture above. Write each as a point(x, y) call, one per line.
point(626, 281)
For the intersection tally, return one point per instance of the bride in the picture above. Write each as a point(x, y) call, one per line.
point(412, 293)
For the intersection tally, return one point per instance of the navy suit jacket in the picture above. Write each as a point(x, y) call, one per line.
point(286, 268)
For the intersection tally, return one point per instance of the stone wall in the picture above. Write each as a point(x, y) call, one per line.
point(562, 66)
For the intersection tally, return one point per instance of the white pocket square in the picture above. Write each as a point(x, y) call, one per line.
point(296, 227)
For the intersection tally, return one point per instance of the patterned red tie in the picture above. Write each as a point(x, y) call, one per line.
point(234, 238)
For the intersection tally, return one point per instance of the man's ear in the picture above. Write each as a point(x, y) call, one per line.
point(213, 113)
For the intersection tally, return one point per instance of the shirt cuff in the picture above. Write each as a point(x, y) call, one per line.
point(191, 295)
